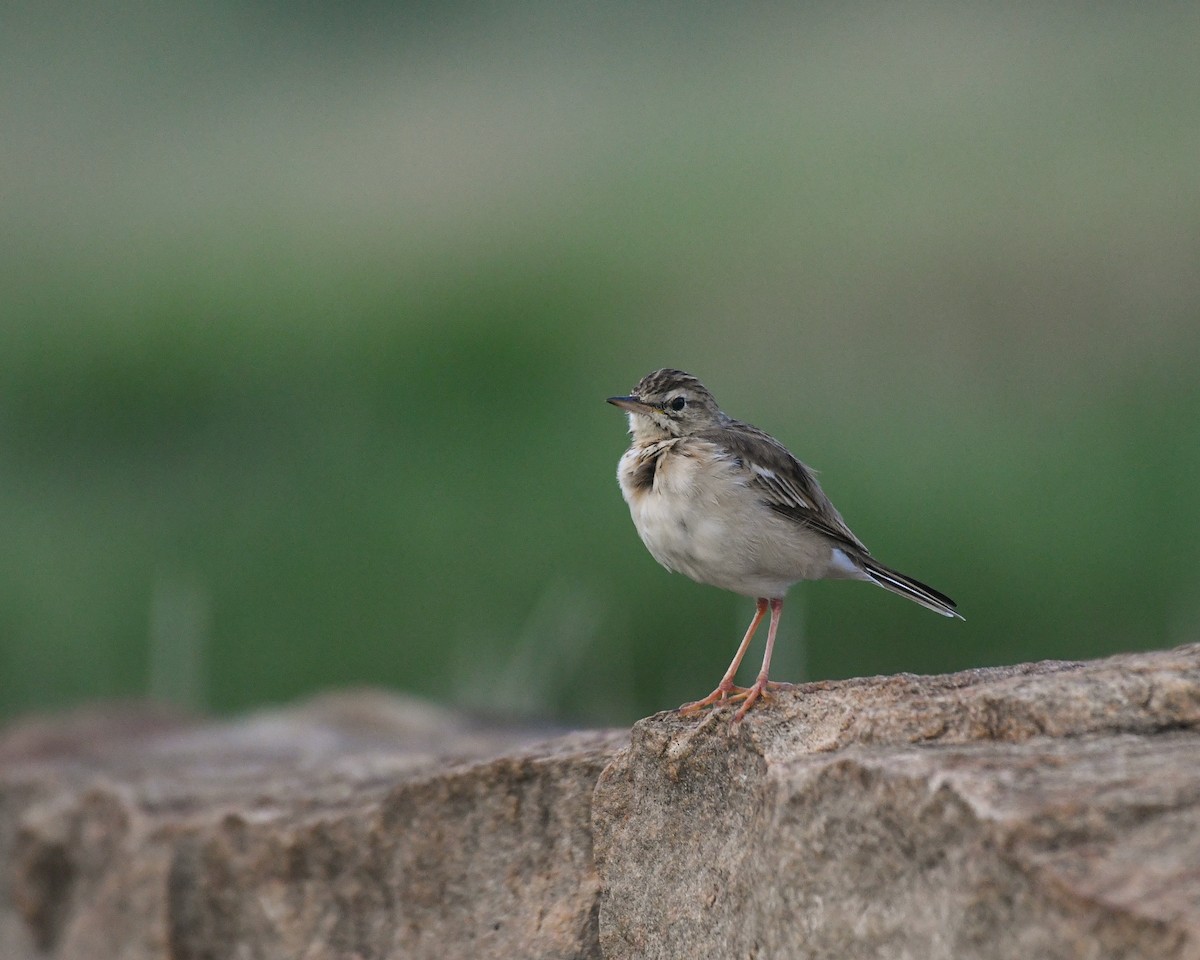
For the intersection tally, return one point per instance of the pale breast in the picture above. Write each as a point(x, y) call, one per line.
point(691, 506)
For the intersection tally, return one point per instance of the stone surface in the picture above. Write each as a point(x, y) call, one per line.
point(1049, 810)
point(356, 826)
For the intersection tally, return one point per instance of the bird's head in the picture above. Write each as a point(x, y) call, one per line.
point(669, 403)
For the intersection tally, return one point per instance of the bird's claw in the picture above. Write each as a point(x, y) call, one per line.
point(731, 694)
point(720, 695)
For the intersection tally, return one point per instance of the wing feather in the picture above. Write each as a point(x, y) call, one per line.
point(783, 483)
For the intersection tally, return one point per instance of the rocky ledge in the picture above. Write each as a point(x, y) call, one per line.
point(1049, 810)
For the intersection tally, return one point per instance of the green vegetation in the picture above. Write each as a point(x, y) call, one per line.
point(302, 367)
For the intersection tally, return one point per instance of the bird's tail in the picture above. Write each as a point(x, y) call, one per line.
point(916, 591)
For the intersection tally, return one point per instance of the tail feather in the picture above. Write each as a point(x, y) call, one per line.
point(914, 590)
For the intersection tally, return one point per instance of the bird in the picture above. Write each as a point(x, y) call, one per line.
point(728, 505)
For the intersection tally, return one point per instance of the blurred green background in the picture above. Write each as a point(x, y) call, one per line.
point(310, 311)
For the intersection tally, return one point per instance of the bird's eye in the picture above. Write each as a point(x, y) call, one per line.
point(678, 403)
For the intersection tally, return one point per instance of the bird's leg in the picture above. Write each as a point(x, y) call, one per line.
point(725, 688)
point(762, 683)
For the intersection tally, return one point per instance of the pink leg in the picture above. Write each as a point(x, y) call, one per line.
point(726, 687)
point(761, 684)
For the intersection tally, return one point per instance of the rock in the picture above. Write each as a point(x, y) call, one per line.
point(1042, 811)
point(357, 826)
point(1050, 810)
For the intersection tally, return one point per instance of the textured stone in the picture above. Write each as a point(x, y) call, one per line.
point(1049, 810)
point(358, 826)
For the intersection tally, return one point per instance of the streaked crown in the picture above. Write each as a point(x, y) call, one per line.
point(661, 382)
point(669, 403)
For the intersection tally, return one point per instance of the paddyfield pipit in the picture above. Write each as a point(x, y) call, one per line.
point(726, 504)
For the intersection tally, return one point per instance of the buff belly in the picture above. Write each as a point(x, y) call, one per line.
point(696, 519)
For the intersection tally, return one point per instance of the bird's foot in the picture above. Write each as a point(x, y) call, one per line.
point(760, 690)
point(728, 693)
point(724, 691)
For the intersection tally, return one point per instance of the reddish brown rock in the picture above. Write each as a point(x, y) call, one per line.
point(356, 826)
point(1049, 810)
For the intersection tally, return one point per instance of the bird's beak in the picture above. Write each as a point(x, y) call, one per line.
point(632, 404)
